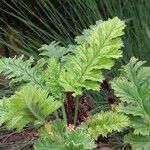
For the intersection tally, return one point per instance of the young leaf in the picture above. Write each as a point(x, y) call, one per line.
point(86, 33)
point(98, 51)
point(18, 70)
point(79, 138)
point(106, 122)
point(54, 50)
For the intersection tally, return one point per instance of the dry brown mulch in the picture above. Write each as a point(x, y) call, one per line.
point(11, 140)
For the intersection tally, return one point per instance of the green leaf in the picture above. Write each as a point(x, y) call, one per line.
point(133, 89)
point(59, 127)
point(140, 126)
point(46, 144)
point(20, 70)
point(77, 139)
point(86, 32)
point(72, 146)
point(138, 142)
point(97, 52)
point(106, 122)
point(52, 74)
point(4, 110)
point(54, 50)
point(29, 105)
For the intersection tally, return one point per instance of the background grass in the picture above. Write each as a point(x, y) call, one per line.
point(31, 24)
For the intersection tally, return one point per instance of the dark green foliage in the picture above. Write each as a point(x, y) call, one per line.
point(138, 142)
point(133, 89)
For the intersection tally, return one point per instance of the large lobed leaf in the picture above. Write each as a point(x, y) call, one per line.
point(133, 89)
point(97, 51)
point(30, 105)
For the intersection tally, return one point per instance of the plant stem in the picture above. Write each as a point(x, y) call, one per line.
point(64, 113)
point(76, 110)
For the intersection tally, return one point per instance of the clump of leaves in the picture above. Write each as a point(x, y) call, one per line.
point(43, 86)
point(29, 105)
point(133, 89)
point(98, 51)
point(64, 138)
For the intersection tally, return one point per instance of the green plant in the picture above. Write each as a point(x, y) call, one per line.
point(19, 70)
point(30, 104)
point(43, 86)
point(68, 137)
point(60, 53)
point(132, 87)
point(96, 52)
point(106, 122)
point(43, 27)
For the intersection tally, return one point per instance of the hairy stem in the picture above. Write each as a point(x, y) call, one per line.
point(76, 110)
